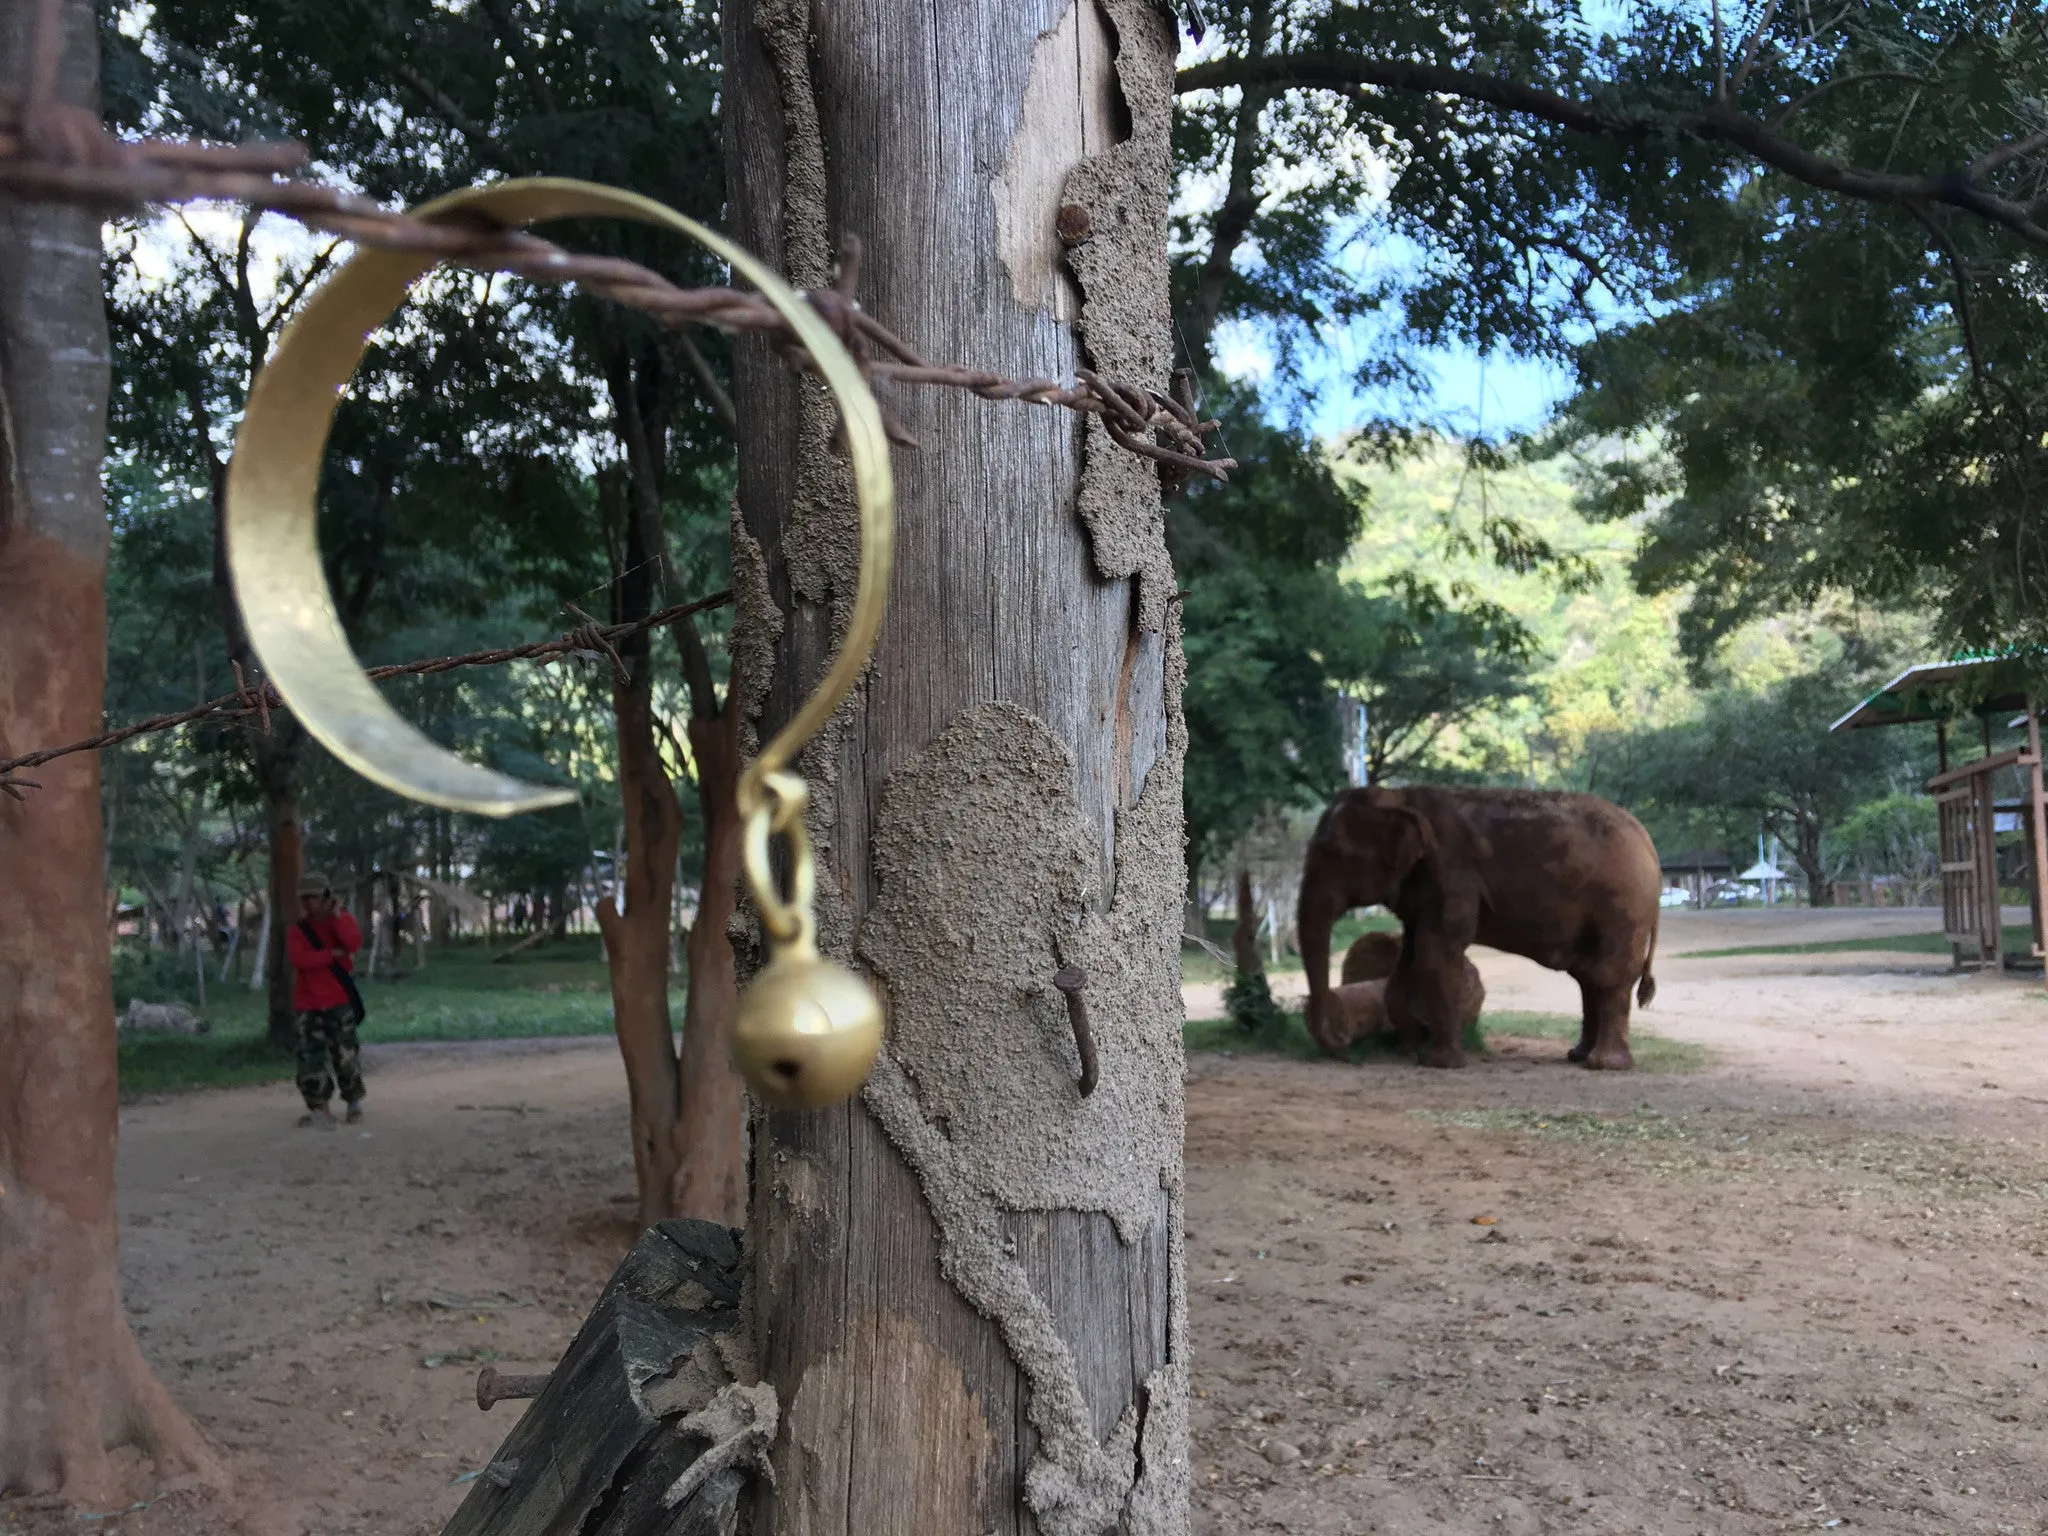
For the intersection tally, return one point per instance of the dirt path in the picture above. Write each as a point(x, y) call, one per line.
point(1800, 1289)
point(1803, 1285)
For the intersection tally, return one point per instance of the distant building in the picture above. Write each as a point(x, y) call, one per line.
point(1695, 870)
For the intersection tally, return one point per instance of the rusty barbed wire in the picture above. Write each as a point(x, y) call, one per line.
point(52, 152)
point(589, 640)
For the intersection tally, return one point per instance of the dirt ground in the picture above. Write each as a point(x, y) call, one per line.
point(1801, 1288)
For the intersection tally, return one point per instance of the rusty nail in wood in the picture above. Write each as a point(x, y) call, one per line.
point(1073, 982)
point(494, 1388)
point(1072, 225)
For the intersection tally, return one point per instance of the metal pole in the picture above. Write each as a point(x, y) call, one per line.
point(2037, 808)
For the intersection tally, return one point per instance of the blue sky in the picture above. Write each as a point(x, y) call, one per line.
point(1470, 395)
point(1464, 393)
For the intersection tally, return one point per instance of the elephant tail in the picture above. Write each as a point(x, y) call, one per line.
point(1646, 987)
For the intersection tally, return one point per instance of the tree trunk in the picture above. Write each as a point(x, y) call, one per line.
point(274, 763)
point(1244, 936)
point(967, 1283)
point(1806, 854)
point(273, 747)
point(259, 957)
point(645, 848)
point(636, 941)
point(72, 1382)
point(710, 1181)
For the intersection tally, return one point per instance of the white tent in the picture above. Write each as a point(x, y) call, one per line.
point(1763, 872)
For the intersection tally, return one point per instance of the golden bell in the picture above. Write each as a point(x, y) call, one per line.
point(808, 1031)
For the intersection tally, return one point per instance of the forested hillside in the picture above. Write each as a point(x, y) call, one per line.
point(1612, 703)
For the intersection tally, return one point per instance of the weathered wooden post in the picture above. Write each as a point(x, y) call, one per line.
point(966, 1285)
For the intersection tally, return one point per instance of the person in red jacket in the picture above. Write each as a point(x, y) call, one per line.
point(321, 947)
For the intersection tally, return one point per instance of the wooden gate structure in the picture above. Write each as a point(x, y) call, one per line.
point(1968, 811)
point(1966, 799)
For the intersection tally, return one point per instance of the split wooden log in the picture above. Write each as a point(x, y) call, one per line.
point(605, 1441)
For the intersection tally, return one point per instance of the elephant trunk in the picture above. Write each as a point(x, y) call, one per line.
point(1320, 907)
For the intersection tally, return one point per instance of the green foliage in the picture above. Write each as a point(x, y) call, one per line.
point(1829, 395)
point(2018, 939)
point(1433, 668)
point(1263, 730)
point(154, 976)
point(1760, 760)
point(1792, 255)
point(558, 990)
point(476, 481)
point(1896, 835)
point(1267, 625)
point(1275, 635)
point(1248, 1001)
point(1440, 217)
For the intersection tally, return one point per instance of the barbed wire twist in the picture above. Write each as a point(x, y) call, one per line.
point(589, 641)
point(53, 152)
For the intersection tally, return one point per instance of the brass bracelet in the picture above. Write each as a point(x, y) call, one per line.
point(808, 1029)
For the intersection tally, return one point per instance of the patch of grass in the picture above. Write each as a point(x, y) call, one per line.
point(1290, 1037)
point(221, 1059)
point(1200, 965)
point(560, 989)
point(2018, 940)
point(1652, 1052)
point(1565, 1125)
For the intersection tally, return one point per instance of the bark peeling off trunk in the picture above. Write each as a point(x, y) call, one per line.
point(968, 1284)
point(984, 863)
point(984, 860)
point(1051, 139)
point(1126, 313)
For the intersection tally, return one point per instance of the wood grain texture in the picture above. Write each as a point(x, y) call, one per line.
point(596, 1451)
point(903, 1408)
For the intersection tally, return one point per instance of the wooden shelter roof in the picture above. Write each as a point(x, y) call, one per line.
point(1939, 690)
point(1705, 860)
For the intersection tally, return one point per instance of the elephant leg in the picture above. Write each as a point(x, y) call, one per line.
point(1438, 1052)
point(1587, 1028)
point(1437, 1015)
point(1604, 1036)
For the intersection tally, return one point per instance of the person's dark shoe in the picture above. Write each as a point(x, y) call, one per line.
point(316, 1120)
point(355, 1113)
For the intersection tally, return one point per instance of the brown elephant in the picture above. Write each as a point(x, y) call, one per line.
point(1381, 1005)
point(1371, 957)
point(1568, 880)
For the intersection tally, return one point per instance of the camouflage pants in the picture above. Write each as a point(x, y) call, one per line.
point(328, 1055)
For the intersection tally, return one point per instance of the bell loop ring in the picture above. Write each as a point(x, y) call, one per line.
point(786, 921)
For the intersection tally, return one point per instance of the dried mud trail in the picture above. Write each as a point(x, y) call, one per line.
point(321, 1302)
point(1800, 1289)
point(1805, 1284)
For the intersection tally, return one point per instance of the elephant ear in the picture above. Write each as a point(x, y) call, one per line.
point(1425, 834)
